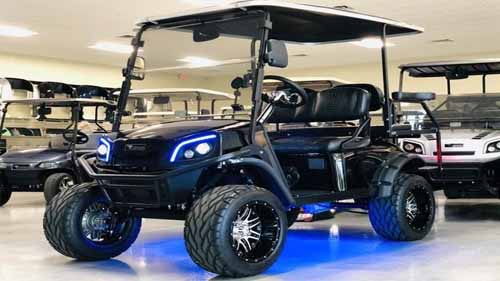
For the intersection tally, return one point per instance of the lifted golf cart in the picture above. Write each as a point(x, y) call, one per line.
point(470, 129)
point(49, 169)
point(236, 186)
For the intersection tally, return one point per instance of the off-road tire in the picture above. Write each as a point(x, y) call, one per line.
point(292, 215)
point(208, 227)
point(5, 194)
point(51, 187)
point(63, 230)
point(388, 214)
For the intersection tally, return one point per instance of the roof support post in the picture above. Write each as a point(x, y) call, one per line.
point(259, 76)
point(127, 82)
point(448, 86)
point(484, 83)
point(388, 113)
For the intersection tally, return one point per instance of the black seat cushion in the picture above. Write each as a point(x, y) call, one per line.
point(324, 145)
point(335, 104)
point(376, 95)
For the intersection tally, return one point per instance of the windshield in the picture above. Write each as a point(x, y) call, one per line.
point(470, 111)
point(200, 58)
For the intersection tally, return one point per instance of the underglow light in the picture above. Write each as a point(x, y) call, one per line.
point(14, 31)
point(194, 62)
point(372, 43)
point(186, 142)
point(112, 47)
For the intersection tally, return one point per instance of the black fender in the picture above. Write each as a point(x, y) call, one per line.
point(393, 164)
point(267, 173)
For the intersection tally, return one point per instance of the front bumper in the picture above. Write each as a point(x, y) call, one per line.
point(18, 175)
point(170, 189)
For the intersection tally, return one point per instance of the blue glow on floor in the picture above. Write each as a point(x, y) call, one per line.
point(308, 245)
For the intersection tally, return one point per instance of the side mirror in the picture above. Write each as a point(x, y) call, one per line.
point(413, 97)
point(277, 54)
point(238, 83)
point(139, 67)
point(205, 33)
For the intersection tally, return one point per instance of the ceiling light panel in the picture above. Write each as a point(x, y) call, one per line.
point(15, 31)
point(112, 47)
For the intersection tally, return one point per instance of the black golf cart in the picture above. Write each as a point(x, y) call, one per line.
point(49, 169)
point(236, 186)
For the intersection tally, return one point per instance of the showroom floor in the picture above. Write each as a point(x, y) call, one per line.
point(462, 246)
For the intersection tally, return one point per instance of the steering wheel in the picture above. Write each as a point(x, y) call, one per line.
point(290, 95)
point(81, 137)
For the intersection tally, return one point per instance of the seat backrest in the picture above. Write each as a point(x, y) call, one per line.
point(335, 104)
point(376, 95)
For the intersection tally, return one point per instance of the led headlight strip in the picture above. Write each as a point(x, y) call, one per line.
point(190, 141)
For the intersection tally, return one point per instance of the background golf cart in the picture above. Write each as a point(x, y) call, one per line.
point(470, 129)
point(148, 106)
point(21, 128)
point(52, 168)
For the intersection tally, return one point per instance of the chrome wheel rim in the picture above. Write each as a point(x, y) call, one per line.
point(419, 208)
point(65, 183)
point(255, 231)
point(101, 225)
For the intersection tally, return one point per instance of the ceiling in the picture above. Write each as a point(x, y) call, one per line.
point(67, 27)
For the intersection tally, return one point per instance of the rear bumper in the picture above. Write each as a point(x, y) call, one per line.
point(457, 173)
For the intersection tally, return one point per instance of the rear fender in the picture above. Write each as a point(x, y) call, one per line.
point(393, 164)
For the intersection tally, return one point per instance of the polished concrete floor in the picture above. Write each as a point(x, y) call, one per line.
point(464, 245)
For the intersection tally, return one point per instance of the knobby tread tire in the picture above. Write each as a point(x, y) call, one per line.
point(201, 233)
point(57, 225)
point(385, 216)
point(51, 185)
point(5, 194)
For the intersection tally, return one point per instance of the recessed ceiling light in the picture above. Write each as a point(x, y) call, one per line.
point(372, 43)
point(194, 62)
point(14, 31)
point(112, 47)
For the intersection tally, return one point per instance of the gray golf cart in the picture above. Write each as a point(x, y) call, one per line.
point(50, 169)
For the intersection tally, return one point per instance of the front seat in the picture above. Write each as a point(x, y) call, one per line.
point(346, 103)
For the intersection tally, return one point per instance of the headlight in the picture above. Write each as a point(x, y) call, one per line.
point(193, 147)
point(493, 147)
point(104, 146)
point(3, 165)
point(48, 165)
point(414, 148)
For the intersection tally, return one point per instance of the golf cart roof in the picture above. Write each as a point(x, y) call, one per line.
point(55, 88)
point(54, 102)
point(292, 22)
point(90, 91)
point(20, 84)
point(182, 94)
point(440, 68)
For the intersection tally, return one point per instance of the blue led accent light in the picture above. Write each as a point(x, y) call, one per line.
point(190, 141)
point(106, 156)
